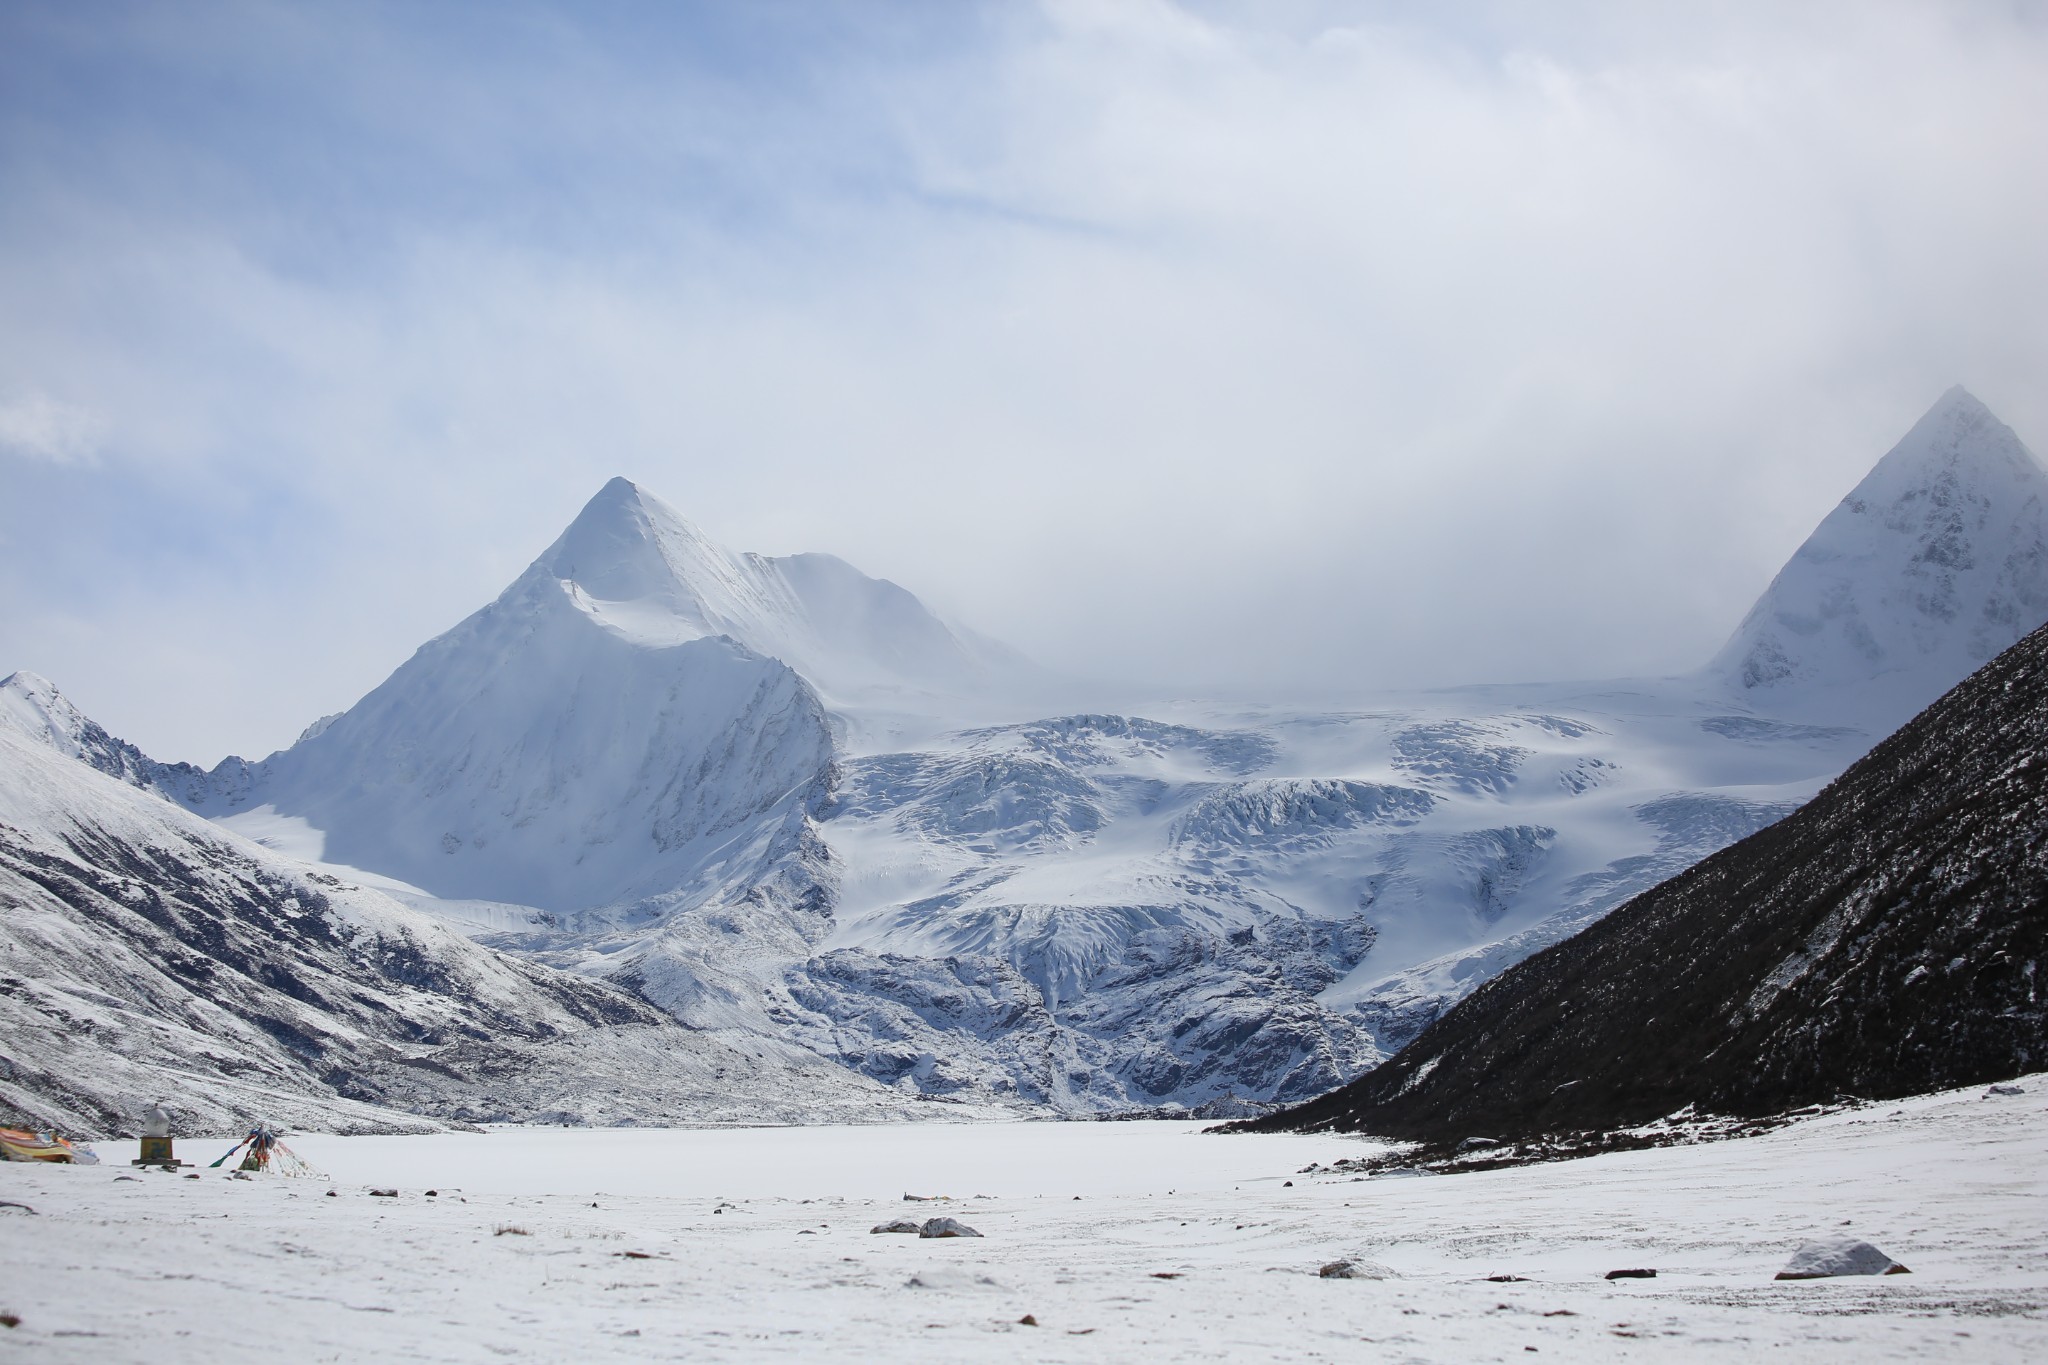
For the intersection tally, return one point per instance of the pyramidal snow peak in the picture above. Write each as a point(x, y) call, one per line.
point(643, 571)
point(1930, 567)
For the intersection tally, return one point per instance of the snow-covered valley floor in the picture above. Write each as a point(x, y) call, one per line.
point(754, 1244)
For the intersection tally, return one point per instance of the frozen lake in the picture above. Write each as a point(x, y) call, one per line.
point(1119, 1241)
point(866, 1161)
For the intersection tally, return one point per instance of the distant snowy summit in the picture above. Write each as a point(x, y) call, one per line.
point(639, 705)
point(640, 570)
point(1935, 563)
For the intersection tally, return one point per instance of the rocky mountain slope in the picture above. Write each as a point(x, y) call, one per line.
point(1889, 938)
point(146, 955)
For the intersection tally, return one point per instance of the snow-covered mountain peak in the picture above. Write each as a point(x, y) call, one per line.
point(32, 707)
point(658, 574)
point(1934, 563)
point(1957, 443)
point(640, 569)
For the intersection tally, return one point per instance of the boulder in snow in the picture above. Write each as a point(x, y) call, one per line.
point(909, 1225)
point(946, 1227)
point(1839, 1256)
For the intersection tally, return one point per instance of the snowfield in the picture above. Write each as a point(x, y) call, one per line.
point(754, 1244)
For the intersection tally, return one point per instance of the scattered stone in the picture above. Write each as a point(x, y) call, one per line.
point(943, 1278)
point(334, 1194)
point(946, 1227)
point(637, 1255)
point(1473, 1144)
point(383, 1194)
point(511, 1230)
point(1839, 1256)
point(136, 1178)
point(1027, 1321)
point(1287, 1184)
point(195, 1175)
point(432, 1193)
point(10, 1320)
point(1507, 1279)
point(2006, 1090)
point(1166, 1274)
point(1355, 1270)
point(909, 1225)
point(1631, 1274)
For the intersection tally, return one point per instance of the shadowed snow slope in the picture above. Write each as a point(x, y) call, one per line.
point(1932, 565)
point(1888, 939)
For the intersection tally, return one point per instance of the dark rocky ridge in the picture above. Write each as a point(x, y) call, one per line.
point(1887, 939)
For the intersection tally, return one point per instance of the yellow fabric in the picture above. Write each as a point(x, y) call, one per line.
point(19, 1145)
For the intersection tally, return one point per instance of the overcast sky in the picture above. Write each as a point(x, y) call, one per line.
point(1283, 345)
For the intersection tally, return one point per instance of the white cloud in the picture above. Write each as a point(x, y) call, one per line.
point(37, 427)
point(1379, 345)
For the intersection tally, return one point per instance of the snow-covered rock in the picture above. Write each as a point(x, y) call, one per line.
point(946, 1227)
point(1838, 1256)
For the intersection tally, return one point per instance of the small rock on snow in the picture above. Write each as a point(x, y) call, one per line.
point(1631, 1274)
point(1355, 1270)
point(2006, 1090)
point(909, 1225)
point(1839, 1256)
point(946, 1227)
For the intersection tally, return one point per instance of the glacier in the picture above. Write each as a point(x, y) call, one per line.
point(786, 802)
